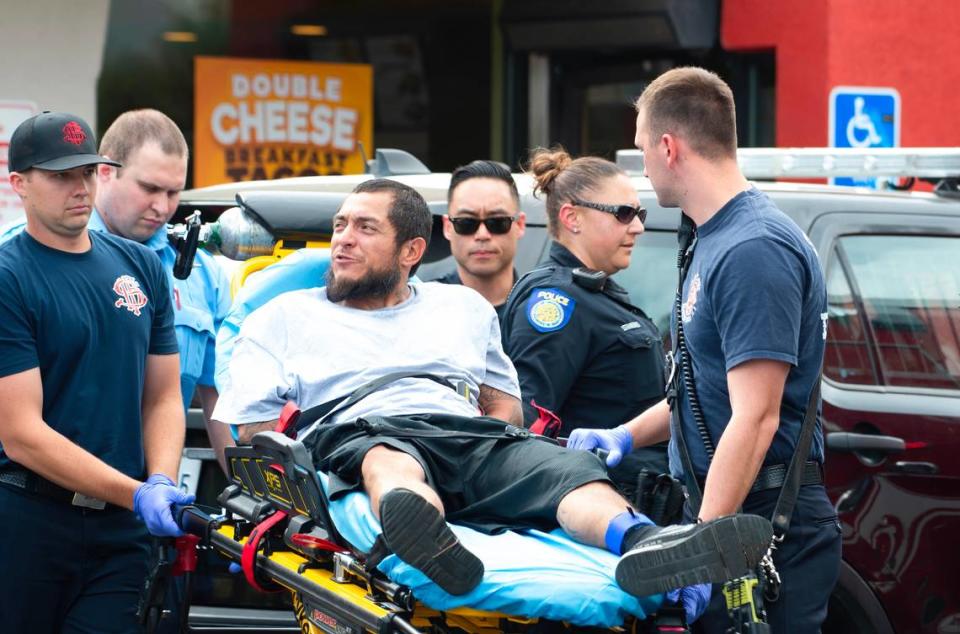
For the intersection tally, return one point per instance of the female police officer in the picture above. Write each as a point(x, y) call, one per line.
point(581, 349)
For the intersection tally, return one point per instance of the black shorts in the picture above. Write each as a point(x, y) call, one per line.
point(490, 483)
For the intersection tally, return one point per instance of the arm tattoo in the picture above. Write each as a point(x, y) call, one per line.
point(500, 405)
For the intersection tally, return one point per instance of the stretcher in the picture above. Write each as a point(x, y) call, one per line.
point(288, 536)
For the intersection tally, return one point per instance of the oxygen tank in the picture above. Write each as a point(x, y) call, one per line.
point(235, 235)
point(239, 237)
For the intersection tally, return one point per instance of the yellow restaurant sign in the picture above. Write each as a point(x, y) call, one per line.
point(263, 119)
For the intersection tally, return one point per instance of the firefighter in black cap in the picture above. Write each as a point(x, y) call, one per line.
point(90, 400)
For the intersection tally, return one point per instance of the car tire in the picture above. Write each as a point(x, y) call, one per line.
point(853, 608)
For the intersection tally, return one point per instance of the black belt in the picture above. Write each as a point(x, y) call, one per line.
point(20, 478)
point(772, 476)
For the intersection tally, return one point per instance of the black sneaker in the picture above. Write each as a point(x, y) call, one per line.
point(414, 531)
point(710, 552)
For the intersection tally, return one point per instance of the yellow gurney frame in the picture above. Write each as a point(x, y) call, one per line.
point(332, 591)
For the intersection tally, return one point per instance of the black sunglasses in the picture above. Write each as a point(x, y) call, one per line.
point(497, 225)
point(623, 213)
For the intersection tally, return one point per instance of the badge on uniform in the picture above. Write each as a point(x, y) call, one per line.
point(549, 309)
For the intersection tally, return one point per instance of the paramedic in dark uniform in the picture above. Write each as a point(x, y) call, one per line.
point(753, 313)
point(581, 348)
point(483, 224)
point(92, 418)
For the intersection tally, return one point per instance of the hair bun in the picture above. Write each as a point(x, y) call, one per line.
point(546, 165)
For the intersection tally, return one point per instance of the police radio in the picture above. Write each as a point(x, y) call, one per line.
point(590, 279)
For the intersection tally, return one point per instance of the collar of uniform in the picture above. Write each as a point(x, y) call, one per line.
point(157, 242)
point(612, 288)
point(453, 277)
point(96, 222)
point(563, 256)
point(724, 213)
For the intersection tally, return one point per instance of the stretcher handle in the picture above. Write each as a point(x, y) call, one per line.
point(192, 520)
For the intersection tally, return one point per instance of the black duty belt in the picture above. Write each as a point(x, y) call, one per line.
point(20, 478)
point(773, 476)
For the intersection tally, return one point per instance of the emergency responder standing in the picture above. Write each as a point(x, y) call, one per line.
point(483, 224)
point(752, 315)
point(136, 202)
point(89, 397)
point(581, 348)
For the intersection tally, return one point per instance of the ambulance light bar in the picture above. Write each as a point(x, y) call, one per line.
point(771, 163)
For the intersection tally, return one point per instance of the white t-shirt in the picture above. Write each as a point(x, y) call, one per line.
point(303, 348)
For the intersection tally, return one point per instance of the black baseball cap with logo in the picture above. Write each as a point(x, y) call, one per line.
point(54, 141)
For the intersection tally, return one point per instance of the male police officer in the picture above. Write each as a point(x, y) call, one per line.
point(753, 320)
point(483, 224)
point(89, 397)
point(136, 202)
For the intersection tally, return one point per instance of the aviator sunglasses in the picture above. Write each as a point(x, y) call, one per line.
point(623, 213)
point(497, 225)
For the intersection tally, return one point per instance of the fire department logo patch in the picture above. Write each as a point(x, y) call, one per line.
point(73, 133)
point(131, 295)
point(690, 306)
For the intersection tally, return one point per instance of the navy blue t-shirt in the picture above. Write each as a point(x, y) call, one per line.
point(754, 290)
point(87, 321)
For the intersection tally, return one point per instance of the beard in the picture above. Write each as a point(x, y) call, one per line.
point(376, 284)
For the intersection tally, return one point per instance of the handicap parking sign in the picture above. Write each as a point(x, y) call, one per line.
point(862, 117)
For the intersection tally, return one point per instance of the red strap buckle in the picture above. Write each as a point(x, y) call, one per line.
point(248, 557)
point(289, 415)
point(186, 561)
point(547, 423)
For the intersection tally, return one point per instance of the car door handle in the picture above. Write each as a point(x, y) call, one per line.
point(916, 468)
point(846, 441)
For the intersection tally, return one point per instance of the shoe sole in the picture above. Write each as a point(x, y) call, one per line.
point(712, 552)
point(414, 531)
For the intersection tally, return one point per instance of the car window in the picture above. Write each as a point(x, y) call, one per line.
point(910, 289)
point(651, 278)
point(847, 358)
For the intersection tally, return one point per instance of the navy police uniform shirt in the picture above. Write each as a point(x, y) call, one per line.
point(754, 290)
point(453, 277)
point(590, 356)
point(87, 321)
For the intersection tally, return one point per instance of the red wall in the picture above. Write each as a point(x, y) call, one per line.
point(904, 44)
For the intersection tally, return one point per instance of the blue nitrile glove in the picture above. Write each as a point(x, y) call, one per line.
point(617, 442)
point(695, 599)
point(153, 502)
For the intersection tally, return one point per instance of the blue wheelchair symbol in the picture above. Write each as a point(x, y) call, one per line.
point(864, 118)
point(861, 132)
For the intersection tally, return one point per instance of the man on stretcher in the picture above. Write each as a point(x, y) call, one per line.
point(424, 414)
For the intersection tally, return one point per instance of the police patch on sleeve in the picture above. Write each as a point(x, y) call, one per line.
point(549, 309)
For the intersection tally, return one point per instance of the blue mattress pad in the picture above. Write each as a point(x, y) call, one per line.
point(527, 573)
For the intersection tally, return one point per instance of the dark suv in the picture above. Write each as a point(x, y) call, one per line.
point(891, 389)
